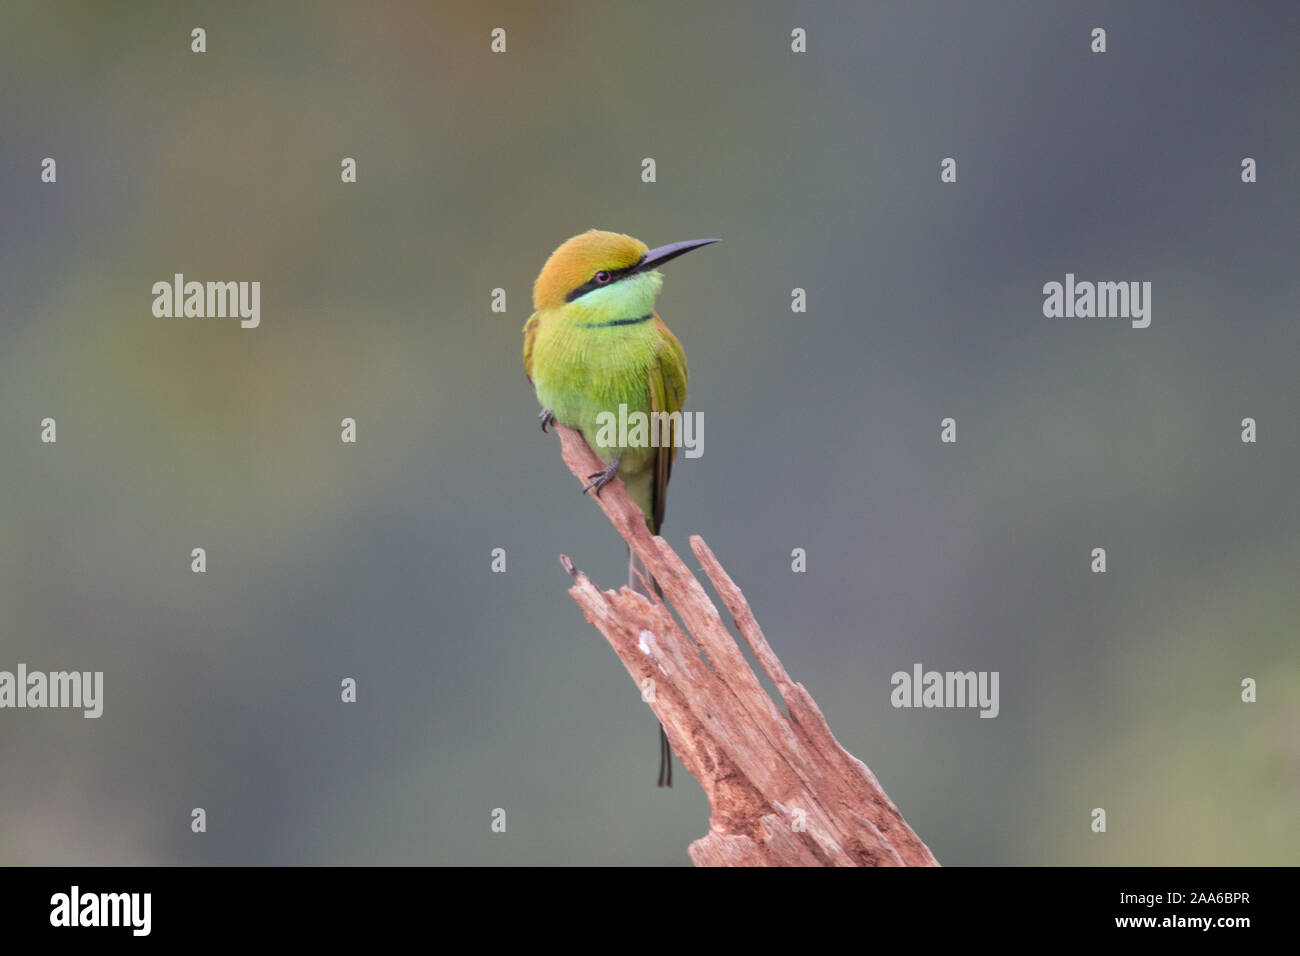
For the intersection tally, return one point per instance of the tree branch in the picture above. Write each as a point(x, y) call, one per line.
point(782, 789)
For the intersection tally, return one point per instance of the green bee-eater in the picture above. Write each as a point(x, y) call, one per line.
point(594, 344)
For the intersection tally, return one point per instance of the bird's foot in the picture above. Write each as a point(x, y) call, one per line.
point(600, 479)
point(546, 417)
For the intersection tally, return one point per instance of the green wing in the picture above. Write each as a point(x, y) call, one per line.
point(530, 333)
point(667, 394)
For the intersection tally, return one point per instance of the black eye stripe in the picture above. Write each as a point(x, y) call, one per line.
point(614, 276)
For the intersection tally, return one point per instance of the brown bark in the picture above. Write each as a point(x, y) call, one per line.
point(782, 789)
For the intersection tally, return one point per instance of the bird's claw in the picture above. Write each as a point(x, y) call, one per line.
point(546, 418)
point(600, 479)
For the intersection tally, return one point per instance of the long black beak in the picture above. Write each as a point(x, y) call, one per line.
point(657, 257)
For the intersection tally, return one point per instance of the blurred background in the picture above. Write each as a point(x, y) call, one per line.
point(819, 170)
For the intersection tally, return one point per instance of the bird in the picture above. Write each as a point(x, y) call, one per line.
point(594, 343)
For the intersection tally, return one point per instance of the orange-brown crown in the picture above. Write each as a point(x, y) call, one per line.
point(578, 259)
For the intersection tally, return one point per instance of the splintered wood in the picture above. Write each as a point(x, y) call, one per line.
point(782, 789)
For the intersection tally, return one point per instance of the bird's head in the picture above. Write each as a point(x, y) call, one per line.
point(608, 270)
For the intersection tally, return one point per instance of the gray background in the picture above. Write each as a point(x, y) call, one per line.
point(820, 170)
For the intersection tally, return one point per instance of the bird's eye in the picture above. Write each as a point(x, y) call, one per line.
point(602, 277)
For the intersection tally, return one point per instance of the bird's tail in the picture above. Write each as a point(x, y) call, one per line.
point(640, 581)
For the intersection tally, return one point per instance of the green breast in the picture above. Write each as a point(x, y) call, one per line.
point(580, 372)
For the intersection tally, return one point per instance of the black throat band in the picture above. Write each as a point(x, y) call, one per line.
point(612, 322)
